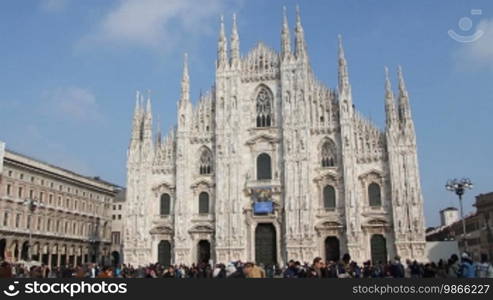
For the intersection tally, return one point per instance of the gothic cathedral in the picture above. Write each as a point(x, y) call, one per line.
point(271, 165)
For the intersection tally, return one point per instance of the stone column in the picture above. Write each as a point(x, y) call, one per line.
point(40, 252)
point(20, 243)
point(49, 257)
point(7, 246)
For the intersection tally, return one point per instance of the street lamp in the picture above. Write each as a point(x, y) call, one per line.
point(32, 204)
point(94, 240)
point(459, 187)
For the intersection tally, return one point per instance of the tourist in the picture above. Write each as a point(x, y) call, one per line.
point(466, 269)
point(441, 269)
point(315, 270)
point(291, 271)
point(253, 271)
point(453, 266)
point(397, 269)
point(484, 269)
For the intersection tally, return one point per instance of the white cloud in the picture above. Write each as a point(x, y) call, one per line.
point(157, 23)
point(53, 6)
point(73, 103)
point(480, 52)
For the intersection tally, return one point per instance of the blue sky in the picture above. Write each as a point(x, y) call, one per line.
point(69, 71)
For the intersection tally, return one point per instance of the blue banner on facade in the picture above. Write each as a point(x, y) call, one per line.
point(263, 207)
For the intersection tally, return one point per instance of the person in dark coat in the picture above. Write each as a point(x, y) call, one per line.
point(5, 270)
point(397, 268)
point(291, 271)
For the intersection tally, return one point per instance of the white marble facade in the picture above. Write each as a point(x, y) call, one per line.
point(326, 162)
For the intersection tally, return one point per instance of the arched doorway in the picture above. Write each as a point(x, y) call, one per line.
point(203, 251)
point(25, 251)
point(265, 244)
point(3, 245)
point(332, 250)
point(164, 253)
point(115, 257)
point(378, 246)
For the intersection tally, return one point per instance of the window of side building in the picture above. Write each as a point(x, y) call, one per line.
point(6, 219)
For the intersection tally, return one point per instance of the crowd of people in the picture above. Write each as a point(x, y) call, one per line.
point(464, 267)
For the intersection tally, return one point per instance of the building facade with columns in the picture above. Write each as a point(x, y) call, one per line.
point(117, 209)
point(52, 215)
point(272, 165)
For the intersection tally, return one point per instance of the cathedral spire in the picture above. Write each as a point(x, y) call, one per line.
point(285, 37)
point(222, 47)
point(391, 117)
point(159, 134)
point(185, 81)
point(235, 43)
point(300, 50)
point(402, 84)
point(137, 120)
point(343, 70)
point(137, 110)
point(148, 104)
point(147, 130)
point(404, 107)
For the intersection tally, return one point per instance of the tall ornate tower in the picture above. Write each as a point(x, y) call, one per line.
point(181, 206)
point(296, 87)
point(407, 200)
point(137, 243)
point(349, 159)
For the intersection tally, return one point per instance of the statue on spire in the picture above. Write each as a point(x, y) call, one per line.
point(404, 107)
point(300, 50)
point(285, 36)
point(222, 47)
point(235, 43)
point(185, 81)
point(343, 70)
point(391, 117)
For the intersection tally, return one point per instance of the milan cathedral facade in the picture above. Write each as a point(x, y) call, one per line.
point(271, 165)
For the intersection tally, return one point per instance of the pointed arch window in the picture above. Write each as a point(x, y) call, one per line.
point(328, 155)
point(264, 108)
point(374, 195)
point(165, 205)
point(205, 163)
point(329, 197)
point(264, 168)
point(203, 203)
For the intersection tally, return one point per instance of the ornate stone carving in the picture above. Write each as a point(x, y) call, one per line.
point(314, 137)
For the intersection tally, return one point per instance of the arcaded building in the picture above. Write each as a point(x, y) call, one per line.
point(52, 215)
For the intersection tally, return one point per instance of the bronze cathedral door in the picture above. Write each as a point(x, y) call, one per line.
point(265, 244)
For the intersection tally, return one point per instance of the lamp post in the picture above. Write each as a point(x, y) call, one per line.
point(94, 240)
point(32, 204)
point(459, 187)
